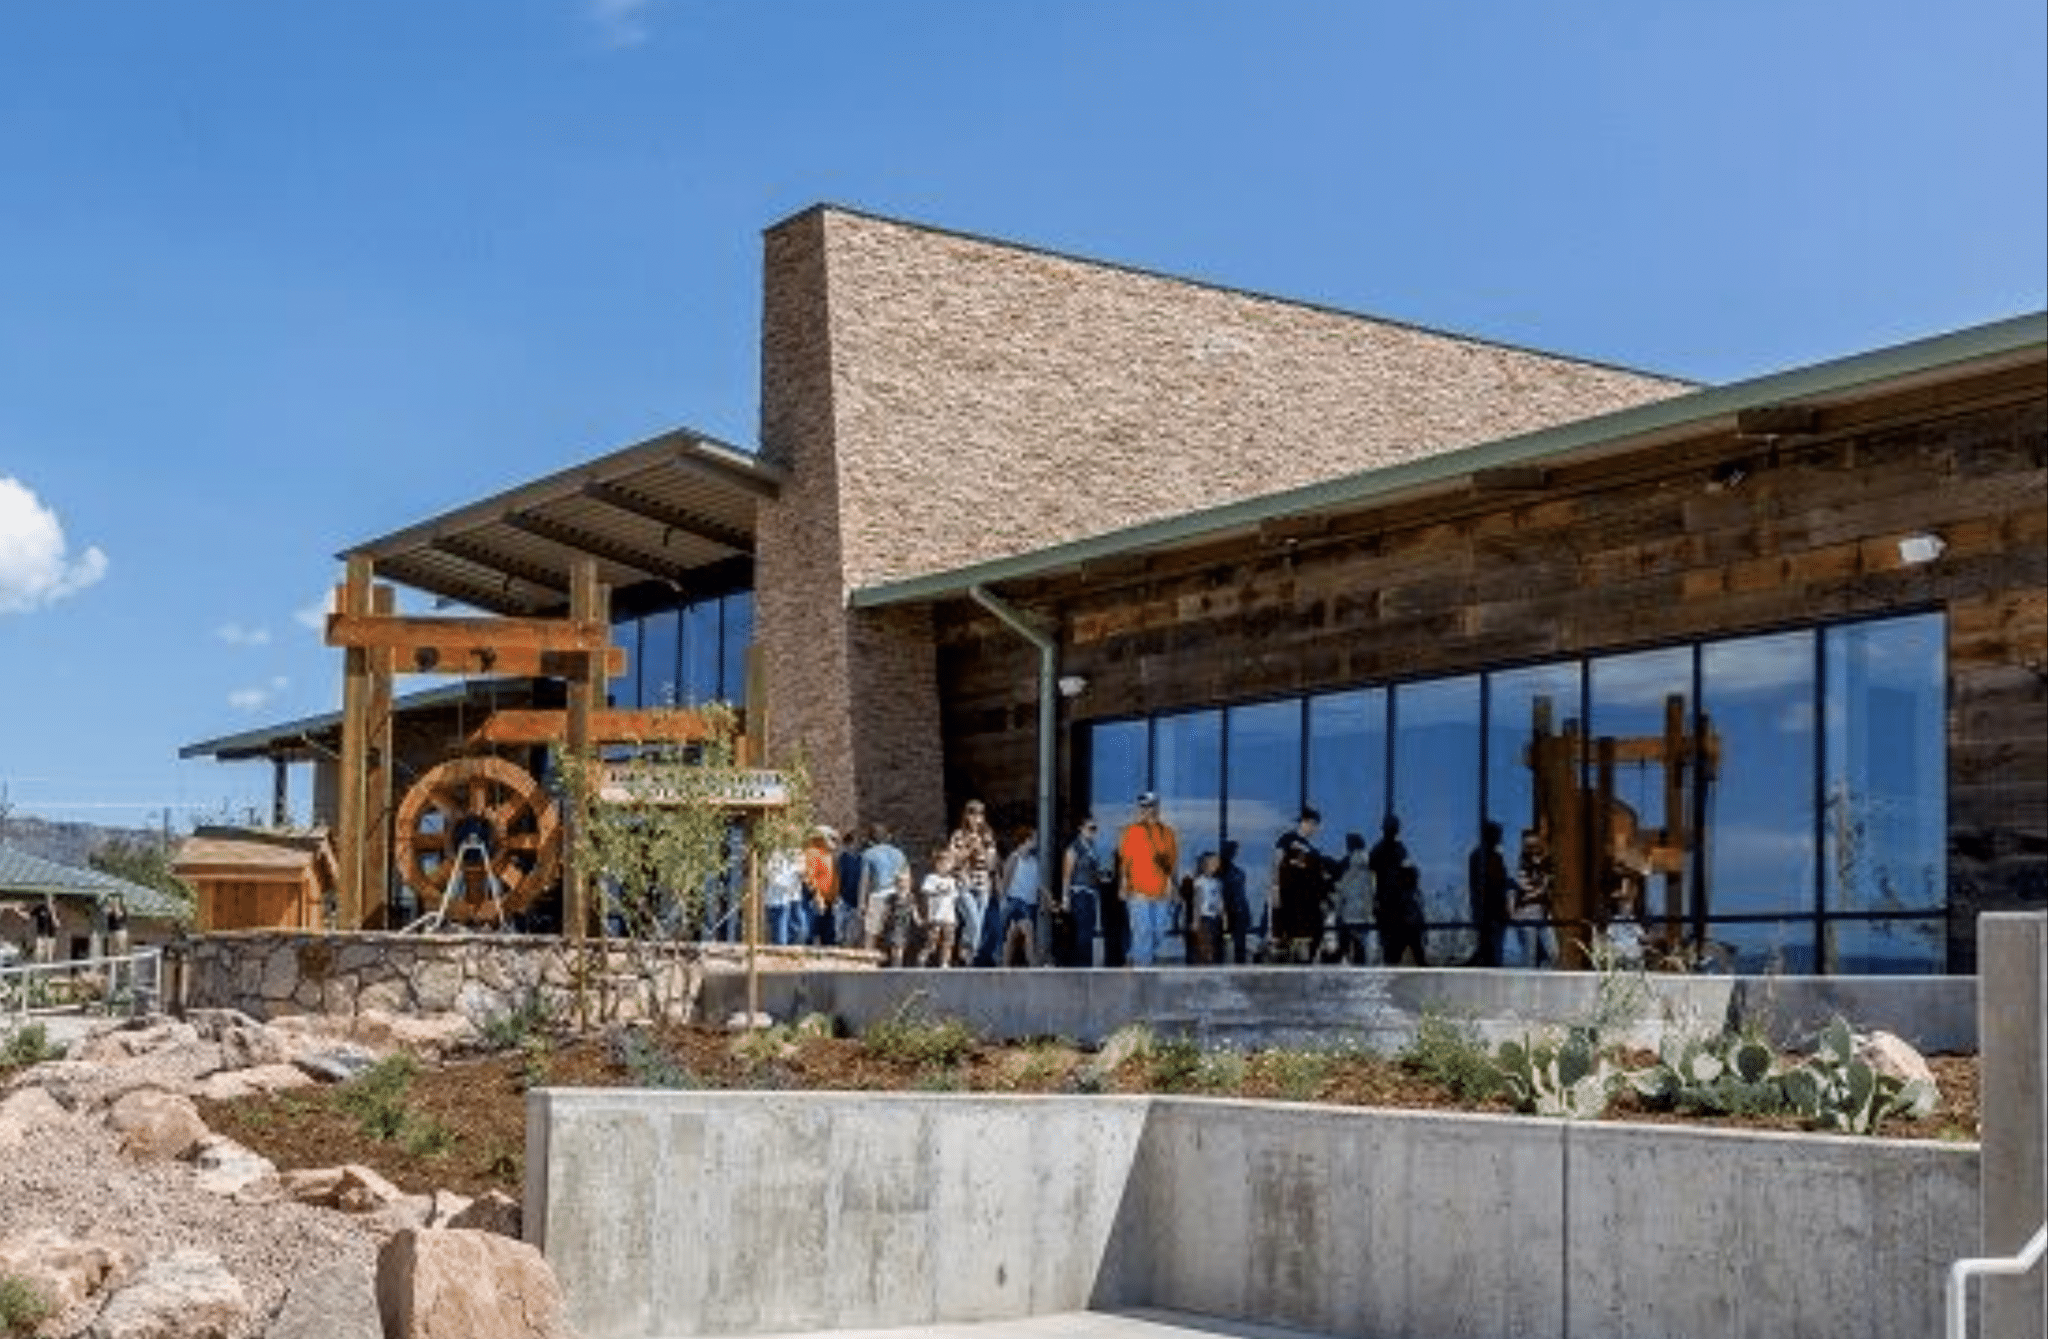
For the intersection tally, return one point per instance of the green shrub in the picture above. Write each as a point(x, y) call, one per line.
point(1450, 1054)
point(647, 1063)
point(508, 1031)
point(29, 1044)
point(907, 1037)
point(22, 1308)
point(1548, 1076)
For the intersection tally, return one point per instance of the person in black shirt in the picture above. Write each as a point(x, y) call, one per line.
point(1396, 897)
point(1489, 885)
point(43, 915)
point(1237, 902)
point(1301, 880)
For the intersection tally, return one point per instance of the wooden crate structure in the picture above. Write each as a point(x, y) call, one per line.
point(254, 880)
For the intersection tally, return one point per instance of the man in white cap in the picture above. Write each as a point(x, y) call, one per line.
point(1148, 869)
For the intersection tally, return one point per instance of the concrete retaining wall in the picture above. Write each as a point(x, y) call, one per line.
point(731, 1213)
point(1375, 1007)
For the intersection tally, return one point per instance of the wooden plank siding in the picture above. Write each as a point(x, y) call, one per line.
point(1629, 552)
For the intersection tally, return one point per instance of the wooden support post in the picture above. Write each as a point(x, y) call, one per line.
point(355, 744)
point(1675, 836)
point(589, 602)
point(377, 774)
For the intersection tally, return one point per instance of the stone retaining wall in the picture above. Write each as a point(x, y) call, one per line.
point(269, 974)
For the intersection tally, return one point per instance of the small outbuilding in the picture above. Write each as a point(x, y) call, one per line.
point(248, 879)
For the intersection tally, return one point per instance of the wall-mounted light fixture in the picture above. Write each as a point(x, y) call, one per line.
point(1072, 685)
point(1917, 549)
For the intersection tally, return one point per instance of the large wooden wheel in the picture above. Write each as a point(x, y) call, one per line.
point(468, 820)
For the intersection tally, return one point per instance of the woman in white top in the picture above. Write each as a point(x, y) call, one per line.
point(782, 888)
point(1206, 903)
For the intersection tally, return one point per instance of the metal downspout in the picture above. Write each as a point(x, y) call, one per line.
point(1048, 699)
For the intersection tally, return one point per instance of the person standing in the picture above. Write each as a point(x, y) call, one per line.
point(1301, 878)
point(43, 915)
point(846, 874)
point(940, 913)
point(885, 895)
point(782, 895)
point(1084, 874)
point(974, 865)
point(1205, 938)
point(1488, 885)
point(1396, 897)
point(1354, 899)
point(1237, 902)
point(1148, 867)
point(821, 887)
point(1019, 942)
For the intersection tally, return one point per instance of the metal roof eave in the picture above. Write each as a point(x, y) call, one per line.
point(1987, 345)
point(683, 444)
point(298, 734)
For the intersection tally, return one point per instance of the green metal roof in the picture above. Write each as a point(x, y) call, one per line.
point(25, 875)
point(1979, 348)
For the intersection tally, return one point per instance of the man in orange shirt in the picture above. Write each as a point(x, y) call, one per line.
point(1148, 869)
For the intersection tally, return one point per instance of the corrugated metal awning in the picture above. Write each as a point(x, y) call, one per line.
point(677, 510)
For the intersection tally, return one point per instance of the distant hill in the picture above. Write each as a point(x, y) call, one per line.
point(71, 843)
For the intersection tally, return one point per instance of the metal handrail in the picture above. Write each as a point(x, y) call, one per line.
point(1960, 1272)
point(14, 979)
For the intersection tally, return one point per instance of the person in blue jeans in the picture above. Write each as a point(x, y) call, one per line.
point(1083, 876)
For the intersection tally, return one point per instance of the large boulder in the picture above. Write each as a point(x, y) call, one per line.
point(1889, 1055)
point(492, 1211)
point(338, 1302)
point(230, 1085)
point(26, 1111)
point(154, 1125)
point(451, 1284)
point(351, 1188)
point(187, 1294)
point(64, 1271)
point(226, 1168)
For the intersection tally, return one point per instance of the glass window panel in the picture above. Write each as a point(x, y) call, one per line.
point(739, 635)
point(1758, 694)
point(658, 633)
point(1905, 946)
point(1885, 822)
point(1117, 770)
point(1763, 948)
point(1347, 763)
point(624, 688)
point(703, 655)
point(1188, 774)
point(1532, 720)
point(1265, 786)
point(1638, 701)
point(1436, 796)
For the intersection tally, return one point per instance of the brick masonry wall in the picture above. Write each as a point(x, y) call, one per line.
point(943, 400)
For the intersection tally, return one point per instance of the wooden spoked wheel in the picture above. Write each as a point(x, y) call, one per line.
point(468, 820)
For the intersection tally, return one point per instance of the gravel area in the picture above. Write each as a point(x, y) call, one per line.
point(69, 1175)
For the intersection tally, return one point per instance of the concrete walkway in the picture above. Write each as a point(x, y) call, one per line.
point(1134, 1324)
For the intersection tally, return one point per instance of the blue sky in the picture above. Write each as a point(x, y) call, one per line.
point(276, 278)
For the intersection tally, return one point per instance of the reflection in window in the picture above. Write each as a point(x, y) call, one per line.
point(1885, 817)
point(1118, 770)
point(703, 653)
point(1188, 774)
point(1639, 787)
point(1891, 946)
point(739, 635)
point(1265, 784)
point(658, 633)
point(1347, 764)
point(1758, 696)
point(1436, 795)
point(1764, 948)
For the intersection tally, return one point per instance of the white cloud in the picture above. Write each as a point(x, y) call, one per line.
point(234, 634)
point(34, 566)
point(620, 22)
point(255, 699)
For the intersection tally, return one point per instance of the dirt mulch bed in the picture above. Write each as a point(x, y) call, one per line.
point(463, 1122)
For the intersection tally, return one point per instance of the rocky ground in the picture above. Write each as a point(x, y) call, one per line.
point(239, 1180)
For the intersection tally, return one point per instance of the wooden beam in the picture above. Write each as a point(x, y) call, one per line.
point(378, 770)
point(581, 541)
point(674, 518)
point(535, 726)
point(1777, 420)
point(355, 747)
point(589, 603)
point(413, 632)
point(477, 555)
